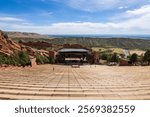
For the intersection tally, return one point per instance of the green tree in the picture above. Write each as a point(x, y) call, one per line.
point(134, 58)
point(114, 58)
point(104, 56)
point(146, 57)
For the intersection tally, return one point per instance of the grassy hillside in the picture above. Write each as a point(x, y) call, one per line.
point(106, 42)
point(97, 42)
point(114, 50)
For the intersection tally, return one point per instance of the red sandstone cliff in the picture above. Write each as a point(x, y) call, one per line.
point(7, 46)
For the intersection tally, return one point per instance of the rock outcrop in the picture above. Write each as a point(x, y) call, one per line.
point(38, 44)
point(7, 46)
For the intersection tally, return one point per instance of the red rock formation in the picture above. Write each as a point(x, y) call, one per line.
point(39, 45)
point(7, 46)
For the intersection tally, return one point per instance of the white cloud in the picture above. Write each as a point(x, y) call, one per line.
point(99, 5)
point(136, 22)
point(142, 11)
point(123, 7)
point(11, 19)
point(132, 14)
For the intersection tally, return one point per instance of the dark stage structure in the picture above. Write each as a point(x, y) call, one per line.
point(73, 56)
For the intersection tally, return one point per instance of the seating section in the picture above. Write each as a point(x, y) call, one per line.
point(66, 82)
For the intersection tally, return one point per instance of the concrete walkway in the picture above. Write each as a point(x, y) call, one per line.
point(65, 82)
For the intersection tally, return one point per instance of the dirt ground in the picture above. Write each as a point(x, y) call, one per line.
point(65, 82)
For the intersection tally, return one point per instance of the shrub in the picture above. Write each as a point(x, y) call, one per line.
point(8, 60)
point(5, 36)
point(114, 58)
point(51, 60)
point(104, 56)
point(24, 58)
point(134, 58)
point(17, 59)
point(42, 59)
point(45, 60)
point(39, 59)
point(2, 59)
point(146, 57)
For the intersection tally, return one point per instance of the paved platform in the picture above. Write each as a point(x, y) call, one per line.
point(65, 82)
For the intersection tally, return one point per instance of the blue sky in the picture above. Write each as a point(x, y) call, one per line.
point(76, 16)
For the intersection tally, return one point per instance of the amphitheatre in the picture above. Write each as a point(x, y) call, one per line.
point(75, 74)
point(65, 82)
